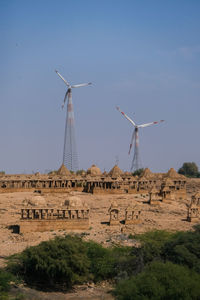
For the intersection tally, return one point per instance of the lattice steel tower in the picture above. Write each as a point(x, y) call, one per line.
point(136, 164)
point(70, 156)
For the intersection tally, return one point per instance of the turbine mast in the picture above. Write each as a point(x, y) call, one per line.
point(136, 164)
point(70, 156)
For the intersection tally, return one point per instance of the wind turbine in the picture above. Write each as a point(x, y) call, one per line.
point(70, 157)
point(136, 163)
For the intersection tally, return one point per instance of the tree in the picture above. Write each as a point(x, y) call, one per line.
point(189, 169)
point(138, 172)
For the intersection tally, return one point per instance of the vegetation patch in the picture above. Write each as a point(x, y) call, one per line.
point(165, 266)
point(160, 281)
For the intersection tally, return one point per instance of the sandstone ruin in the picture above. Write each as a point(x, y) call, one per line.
point(73, 216)
point(193, 212)
point(93, 181)
point(114, 214)
point(132, 214)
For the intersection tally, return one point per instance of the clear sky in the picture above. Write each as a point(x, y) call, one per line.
point(142, 55)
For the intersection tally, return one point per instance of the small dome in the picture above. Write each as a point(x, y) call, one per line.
point(94, 170)
point(63, 170)
point(115, 171)
point(74, 201)
point(35, 201)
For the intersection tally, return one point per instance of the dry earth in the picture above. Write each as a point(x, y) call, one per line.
point(171, 217)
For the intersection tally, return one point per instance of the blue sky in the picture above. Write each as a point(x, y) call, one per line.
point(141, 55)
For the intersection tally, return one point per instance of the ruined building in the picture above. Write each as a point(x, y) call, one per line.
point(193, 212)
point(74, 215)
point(93, 181)
point(132, 214)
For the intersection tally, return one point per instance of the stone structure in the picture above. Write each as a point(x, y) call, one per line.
point(166, 191)
point(114, 182)
point(154, 196)
point(115, 172)
point(114, 214)
point(94, 171)
point(177, 185)
point(63, 171)
point(196, 199)
point(71, 217)
point(193, 212)
point(132, 214)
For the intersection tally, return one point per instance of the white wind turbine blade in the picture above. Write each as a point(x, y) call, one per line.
point(131, 144)
point(81, 84)
point(65, 81)
point(149, 124)
point(65, 99)
point(129, 119)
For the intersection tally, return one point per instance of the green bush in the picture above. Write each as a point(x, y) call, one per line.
point(65, 261)
point(5, 279)
point(107, 263)
point(138, 172)
point(184, 249)
point(60, 262)
point(160, 281)
point(152, 245)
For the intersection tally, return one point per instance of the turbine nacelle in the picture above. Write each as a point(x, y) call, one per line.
point(70, 87)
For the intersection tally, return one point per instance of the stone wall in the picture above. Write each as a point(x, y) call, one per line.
point(48, 225)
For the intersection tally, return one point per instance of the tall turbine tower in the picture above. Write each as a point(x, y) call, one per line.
point(136, 159)
point(70, 157)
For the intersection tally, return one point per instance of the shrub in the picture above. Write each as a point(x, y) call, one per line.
point(152, 245)
point(106, 263)
point(184, 249)
point(5, 279)
point(60, 262)
point(160, 281)
point(138, 172)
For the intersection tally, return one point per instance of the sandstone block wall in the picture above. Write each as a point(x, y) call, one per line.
point(48, 225)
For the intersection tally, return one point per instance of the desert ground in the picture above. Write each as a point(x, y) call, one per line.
point(167, 216)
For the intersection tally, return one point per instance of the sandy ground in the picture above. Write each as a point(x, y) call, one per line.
point(84, 292)
point(164, 216)
point(171, 217)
